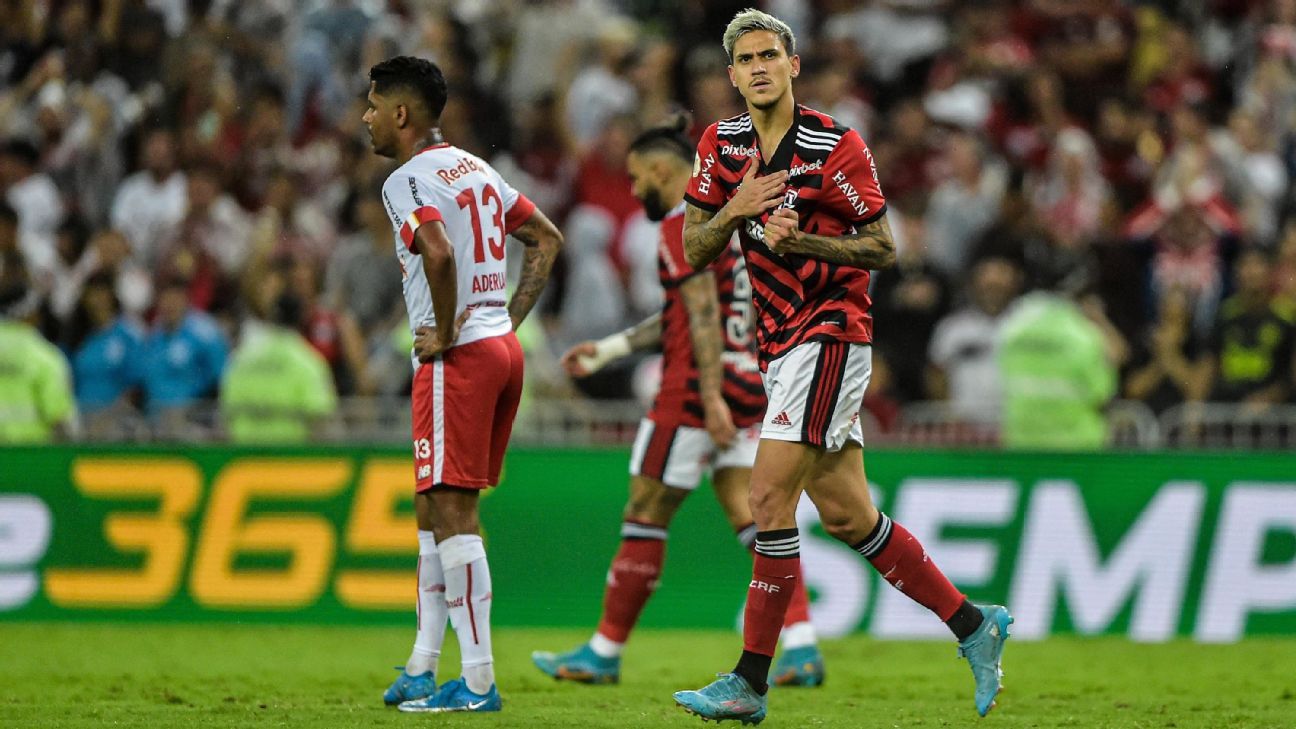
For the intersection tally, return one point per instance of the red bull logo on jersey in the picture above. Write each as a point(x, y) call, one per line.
point(466, 166)
point(488, 282)
point(852, 195)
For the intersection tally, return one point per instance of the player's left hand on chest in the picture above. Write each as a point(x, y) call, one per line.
point(781, 229)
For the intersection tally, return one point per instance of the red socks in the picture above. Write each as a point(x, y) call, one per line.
point(776, 572)
point(903, 562)
point(632, 578)
point(798, 610)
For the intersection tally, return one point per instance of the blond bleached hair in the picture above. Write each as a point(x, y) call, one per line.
point(752, 19)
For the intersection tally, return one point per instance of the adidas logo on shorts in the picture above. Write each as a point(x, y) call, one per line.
point(781, 419)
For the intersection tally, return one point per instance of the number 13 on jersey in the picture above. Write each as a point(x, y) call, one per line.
point(468, 199)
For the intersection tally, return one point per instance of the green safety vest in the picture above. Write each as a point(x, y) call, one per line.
point(1056, 376)
point(35, 385)
point(274, 386)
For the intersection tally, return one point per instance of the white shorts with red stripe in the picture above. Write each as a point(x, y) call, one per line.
point(816, 392)
point(680, 455)
point(463, 404)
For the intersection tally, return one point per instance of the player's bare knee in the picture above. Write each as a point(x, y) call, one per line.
point(843, 526)
point(453, 512)
point(653, 502)
point(772, 507)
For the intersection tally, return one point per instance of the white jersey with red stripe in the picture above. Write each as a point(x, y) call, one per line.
point(478, 209)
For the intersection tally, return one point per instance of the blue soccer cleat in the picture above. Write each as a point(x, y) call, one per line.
point(983, 650)
point(407, 687)
point(581, 664)
point(455, 696)
point(802, 666)
point(728, 697)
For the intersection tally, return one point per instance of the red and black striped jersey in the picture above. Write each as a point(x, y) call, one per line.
point(833, 187)
point(679, 400)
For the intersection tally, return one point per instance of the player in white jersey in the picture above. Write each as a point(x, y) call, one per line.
point(451, 212)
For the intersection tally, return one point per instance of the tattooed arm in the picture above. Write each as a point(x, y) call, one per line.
point(542, 240)
point(871, 247)
point(702, 302)
point(706, 234)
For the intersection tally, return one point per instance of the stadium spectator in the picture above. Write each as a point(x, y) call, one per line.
point(892, 39)
point(1249, 358)
point(908, 300)
point(277, 387)
point(33, 196)
point(138, 41)
point(183, 355)
point(965, 204)
point(12, 268)
point(1187, 239)
point(1127, 141)
point(1086, 42)
point(36, 403)
point(332, 332)
point(71, 266)
point(151, 203)
point(829, 86)
point(1164, 367)
point(709, 91)
point(1070, 195)
point(363, 277)
point(1058, 370)
point(1255, 174)
point(908, 155)
point(602, 90)
point(213, 222)
point(103, 346)
point(963, 366)
point(109, 253)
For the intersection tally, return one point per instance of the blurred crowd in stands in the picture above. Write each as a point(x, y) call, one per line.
point(188, 199)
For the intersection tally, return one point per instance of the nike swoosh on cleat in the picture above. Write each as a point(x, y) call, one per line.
point(475, 705)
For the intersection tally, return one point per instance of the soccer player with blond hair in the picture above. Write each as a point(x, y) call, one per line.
point(802, 193)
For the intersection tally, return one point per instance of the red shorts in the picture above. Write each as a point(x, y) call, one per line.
point(464, 404)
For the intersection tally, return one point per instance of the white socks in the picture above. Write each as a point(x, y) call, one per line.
point(431, 609)
point(468, 595)
point(797, 635)
point(605, 647)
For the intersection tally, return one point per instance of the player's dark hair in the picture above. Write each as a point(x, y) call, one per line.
point(417, 75)
point(667, 137)
point(8, 214)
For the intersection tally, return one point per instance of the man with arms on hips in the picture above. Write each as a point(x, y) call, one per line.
point(451, 212)
point(802, 192)
point(706, 416)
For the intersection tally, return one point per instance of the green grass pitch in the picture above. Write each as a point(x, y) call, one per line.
point(232, 675)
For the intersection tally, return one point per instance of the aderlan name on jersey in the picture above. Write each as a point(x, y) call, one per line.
point(488, 282)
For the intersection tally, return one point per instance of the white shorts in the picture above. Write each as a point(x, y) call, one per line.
point(816, 392)
point(679, 456)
